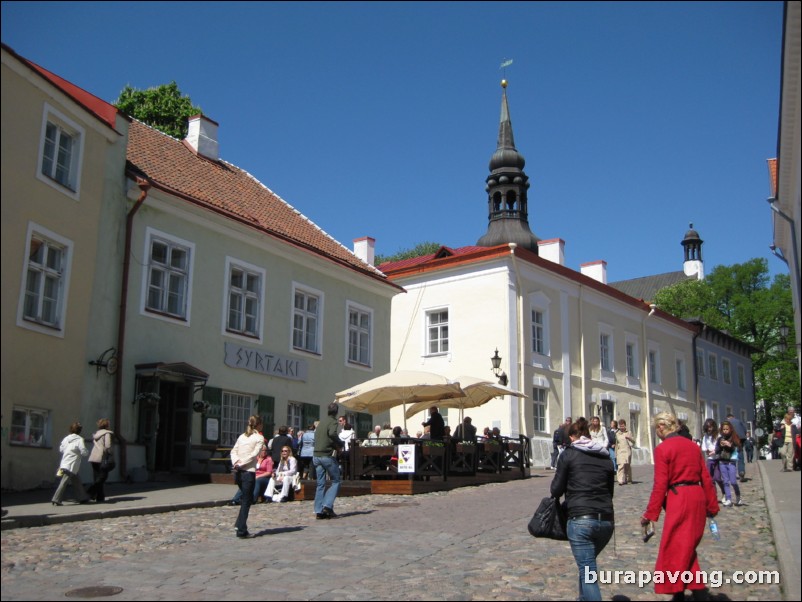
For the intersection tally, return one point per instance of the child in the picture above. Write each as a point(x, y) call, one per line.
point(727, 449)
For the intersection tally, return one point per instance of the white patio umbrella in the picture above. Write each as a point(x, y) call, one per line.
point(398, 388)
point(478, 391)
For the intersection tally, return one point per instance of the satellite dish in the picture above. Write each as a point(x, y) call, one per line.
point(759, 432)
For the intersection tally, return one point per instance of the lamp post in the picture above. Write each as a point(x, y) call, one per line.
point(500, 374)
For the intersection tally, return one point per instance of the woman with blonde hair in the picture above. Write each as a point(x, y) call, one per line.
point(283, 475)
point(244, 456)
point(683, 487)
point(102, 448)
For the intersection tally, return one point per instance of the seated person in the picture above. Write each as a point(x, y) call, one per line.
point(373, 437)
point(282, 477)
point(399, 436)
point(385, 434)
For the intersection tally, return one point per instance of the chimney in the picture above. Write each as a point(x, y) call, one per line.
point(202, 136)
point(365, 249)
point(596, 270)
point(552, 249)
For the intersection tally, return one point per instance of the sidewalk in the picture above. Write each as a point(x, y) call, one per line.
point(33, 508)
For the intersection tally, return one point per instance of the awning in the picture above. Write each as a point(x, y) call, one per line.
point(176, 370)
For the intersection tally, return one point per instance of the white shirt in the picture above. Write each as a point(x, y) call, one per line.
point(246, 451)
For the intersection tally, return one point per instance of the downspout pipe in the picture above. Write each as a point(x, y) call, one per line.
point(700, 411)
point(144, 187)
point(520, 336)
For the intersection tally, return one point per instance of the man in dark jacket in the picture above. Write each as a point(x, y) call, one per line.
point(436, 424)
point(278, 442)
point(327, 442)
point(558, 442)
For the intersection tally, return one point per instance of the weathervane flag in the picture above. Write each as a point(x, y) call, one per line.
point(506, 63)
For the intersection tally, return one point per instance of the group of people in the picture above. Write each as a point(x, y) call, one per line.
point(271, 464)
point(616, 439)
point(722, 446)
point(683, 488)
point(73, 450)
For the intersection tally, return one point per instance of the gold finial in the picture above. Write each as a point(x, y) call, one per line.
point(503, 83)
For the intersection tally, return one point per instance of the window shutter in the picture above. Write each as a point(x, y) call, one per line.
point(214, 397)
point(309, 413)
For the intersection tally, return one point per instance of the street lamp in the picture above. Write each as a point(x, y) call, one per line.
point(500, 374)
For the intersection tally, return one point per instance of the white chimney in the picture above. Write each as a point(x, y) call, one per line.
point(202, 136)
point(552, 249)
point(365, 249)
point(596, 270)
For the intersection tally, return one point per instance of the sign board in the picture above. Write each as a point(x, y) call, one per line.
point(271, 364)
point(406, 458)
point(212, 429)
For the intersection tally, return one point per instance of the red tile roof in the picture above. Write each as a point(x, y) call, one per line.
point(102, 110)
point(174, 167)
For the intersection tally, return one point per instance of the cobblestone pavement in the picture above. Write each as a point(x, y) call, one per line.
point(465, 544)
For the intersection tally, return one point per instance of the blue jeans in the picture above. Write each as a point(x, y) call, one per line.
point(324, 498)
point(246, 481)
point(612, 457)
point(588, 538)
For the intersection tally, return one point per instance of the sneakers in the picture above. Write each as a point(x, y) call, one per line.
point(329, 512)
point(739, 502)
point(726, 503)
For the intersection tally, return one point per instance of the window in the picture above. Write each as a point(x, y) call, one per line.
point(437, 331)
point(359, 335)
point(654, 367)
point(294, 416)
point(632, 362)
point(539, 405)
point(680, 365)
point(605, 352)
point(43, 297)
point(235, 411)
point(726, 371)
point(168, 276)
point(741, 376)
point(29, 427)
point(712, 366)
point(700, 362)
point(60, 152)
point(244, 299)
point(306, 320)
point(538, 342)
point(716, 415)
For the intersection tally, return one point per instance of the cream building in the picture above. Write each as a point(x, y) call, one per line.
point(574, 345)
point(63, 156)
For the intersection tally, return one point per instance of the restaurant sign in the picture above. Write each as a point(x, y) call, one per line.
point(262, 362)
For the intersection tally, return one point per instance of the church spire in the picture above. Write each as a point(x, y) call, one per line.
point(507, 187)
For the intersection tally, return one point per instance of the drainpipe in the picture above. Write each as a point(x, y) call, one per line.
point(521, 344)
point(700, 414)
point(582, 364)
point(144, 187)
point(648, 378)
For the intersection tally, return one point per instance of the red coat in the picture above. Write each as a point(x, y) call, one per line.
point(678, 460)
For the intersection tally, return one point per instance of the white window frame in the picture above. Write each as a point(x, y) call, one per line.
point(442, 341)
point(726, 370)
point(682, 374)
point(27, 430)
point(632, 360)
point(235, 410)
point(712, 366)
point(362, 334)
point(258, 297)
point(65, 125)
point(655, 373)
point(295, 413)
point(152, 235)
point(606, 344)
point(539, 303)
point(540, 408)
point(700, 362)
point(716, 413)
point(305, 315)
point(62, 275)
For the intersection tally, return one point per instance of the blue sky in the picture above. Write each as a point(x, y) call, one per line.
point(379, 119)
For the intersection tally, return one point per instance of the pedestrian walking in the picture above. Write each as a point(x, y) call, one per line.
point(244, 457)
point(101, 459)
point(72, 449)
point(683, 487)
point(327, 444)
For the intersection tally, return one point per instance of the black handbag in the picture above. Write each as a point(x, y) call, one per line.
point(549, 520)
point(107, 464)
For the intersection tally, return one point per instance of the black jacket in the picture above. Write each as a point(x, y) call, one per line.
point(586, 479)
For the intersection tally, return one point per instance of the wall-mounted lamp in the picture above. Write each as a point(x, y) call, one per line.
point(652, 308)
point(109, 363)
point(500, 374)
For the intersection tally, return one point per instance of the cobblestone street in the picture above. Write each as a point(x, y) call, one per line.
point(466, 544)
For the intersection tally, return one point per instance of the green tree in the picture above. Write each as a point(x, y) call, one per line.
point(424, 248)
point(742, 300)
point(163, 108)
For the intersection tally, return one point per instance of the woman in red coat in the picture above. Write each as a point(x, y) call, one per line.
point(683, 487)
